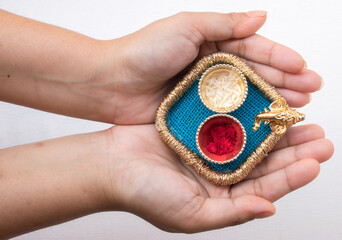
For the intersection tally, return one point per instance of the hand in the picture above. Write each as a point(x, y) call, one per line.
point(139, 69)
point(149, 180)
point(122, 81)
point(129, 168)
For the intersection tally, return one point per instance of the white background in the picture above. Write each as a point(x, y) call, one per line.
point(313, 28)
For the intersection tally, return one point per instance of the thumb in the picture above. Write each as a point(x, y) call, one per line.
point(222, 212)
point(218, 26)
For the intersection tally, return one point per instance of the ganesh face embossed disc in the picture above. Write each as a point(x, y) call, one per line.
point(222, 88)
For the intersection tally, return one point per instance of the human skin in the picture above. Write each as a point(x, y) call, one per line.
point(122, 81)
point(129, 168)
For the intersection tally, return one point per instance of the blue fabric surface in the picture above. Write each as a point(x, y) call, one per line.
point(186, 115)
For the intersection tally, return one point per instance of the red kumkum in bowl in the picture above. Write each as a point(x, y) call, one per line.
point(221, 138)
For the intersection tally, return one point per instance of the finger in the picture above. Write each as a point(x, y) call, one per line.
point(222, 212)
point(294, 98)
point(262, 50)
point(275, 185)
point(199, 27)
point(206, 48)
point(300, 134)
point(304, 81)
point(321, 150)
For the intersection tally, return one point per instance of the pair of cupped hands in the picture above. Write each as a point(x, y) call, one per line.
point(146, 177)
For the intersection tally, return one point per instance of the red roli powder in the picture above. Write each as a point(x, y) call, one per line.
point(221, 139)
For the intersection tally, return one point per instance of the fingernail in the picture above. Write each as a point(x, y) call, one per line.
point(322, 84)
point(256, 13)
point(305, 65)
point(264, 214)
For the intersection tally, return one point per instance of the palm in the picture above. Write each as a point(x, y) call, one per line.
point(170, 195)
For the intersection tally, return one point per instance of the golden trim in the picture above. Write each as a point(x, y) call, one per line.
point(193, 159)
point(227, 116)
point(210, 70)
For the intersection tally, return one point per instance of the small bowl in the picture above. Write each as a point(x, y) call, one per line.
point(222, 88)
point(204, 138)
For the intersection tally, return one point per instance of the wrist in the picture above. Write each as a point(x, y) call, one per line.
point(53, 181)
point(54, 70)
point(100, 88)
point(103, 159)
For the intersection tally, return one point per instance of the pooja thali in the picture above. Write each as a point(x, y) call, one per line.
point(212, 118)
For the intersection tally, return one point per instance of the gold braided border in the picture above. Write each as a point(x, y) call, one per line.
point(193, 159)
